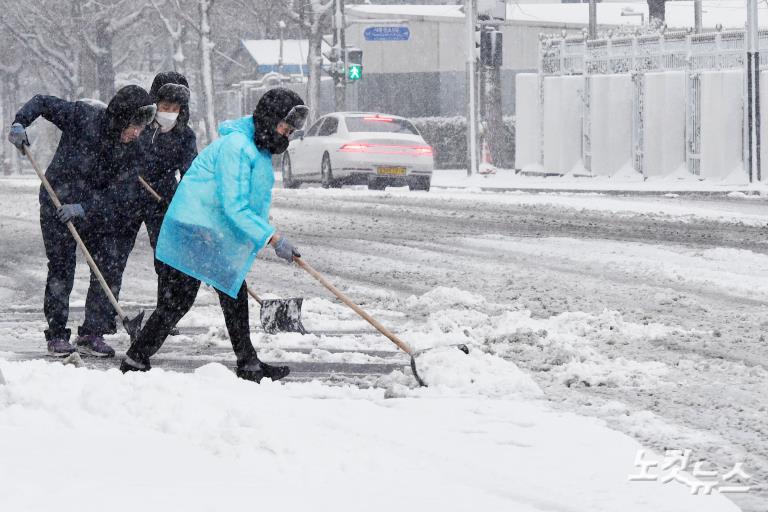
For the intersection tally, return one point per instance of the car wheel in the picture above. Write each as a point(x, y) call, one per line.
point(420, 184)
point(285, 167)
point(377, 184)
point(326, 174)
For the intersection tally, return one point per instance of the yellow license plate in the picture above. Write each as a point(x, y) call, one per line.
point(392, 171)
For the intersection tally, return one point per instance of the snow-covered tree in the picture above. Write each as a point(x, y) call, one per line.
point(314, 17)
point(176, 31)
point(656, 10)
point(50, 33)
point(200, 23)
point(103, 21)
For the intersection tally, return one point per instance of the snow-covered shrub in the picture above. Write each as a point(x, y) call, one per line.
point(448, 138)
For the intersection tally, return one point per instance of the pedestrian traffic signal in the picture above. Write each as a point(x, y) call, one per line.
point(354, 64)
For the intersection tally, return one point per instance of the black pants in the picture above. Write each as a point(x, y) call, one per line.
point(61, 251)
point(176, 293)
point(111, 255)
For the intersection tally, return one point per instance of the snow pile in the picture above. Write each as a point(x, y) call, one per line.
point(449, 368)
point(568, 345)
point(208, 441)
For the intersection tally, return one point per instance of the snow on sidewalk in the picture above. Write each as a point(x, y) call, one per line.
point(90, 440)
point(508, 179)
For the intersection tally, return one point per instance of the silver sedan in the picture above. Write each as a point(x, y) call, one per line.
point(359, 148)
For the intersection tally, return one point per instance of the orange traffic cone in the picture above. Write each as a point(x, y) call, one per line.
point(486, 166)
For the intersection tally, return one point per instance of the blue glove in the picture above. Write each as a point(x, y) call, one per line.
point(285, 249)
point(67, 212)
point(18, 136)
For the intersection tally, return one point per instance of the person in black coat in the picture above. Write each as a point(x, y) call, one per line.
point(95, 148)
point(166, 148)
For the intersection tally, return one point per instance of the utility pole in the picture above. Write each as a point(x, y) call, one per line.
point(281, 26)
point(469, 15)
point(339, 77)
point(753, 93)
point(593, 19)
point(697, 16)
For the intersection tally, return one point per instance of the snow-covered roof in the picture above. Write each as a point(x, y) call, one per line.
point(410, 11)
point(679, 14)
point(266, 53)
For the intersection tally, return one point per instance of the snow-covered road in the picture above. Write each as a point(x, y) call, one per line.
point(645, 312)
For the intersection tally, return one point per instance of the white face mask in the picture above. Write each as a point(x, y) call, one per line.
point(166, 120)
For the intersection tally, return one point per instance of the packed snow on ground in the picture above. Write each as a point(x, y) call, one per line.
point(551, 327)
point(208, 441)
point(480, 437)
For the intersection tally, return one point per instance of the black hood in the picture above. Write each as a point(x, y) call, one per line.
point(273, 106)
point(171, 77)
point(124, 107)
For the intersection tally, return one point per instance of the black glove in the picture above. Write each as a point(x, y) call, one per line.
point(285, 249)
point(18, 136)
point(67, 212)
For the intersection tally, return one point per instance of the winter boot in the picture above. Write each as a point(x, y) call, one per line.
point(93, 345)
point(258, 370)
point(60, 347)
point(132, 365)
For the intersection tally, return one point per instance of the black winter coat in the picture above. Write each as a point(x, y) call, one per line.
point(162, 154)
point(88, 159)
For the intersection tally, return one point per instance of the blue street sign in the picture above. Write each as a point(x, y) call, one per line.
point(387, 34)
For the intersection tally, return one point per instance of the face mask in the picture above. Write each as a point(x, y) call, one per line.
point(271, 141)
point(166, 120)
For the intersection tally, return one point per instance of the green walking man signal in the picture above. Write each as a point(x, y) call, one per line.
point(354, 64)
point(354, 72)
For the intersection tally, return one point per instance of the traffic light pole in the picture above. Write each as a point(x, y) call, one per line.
point(753, 94)
point(469, 15)
point(339, 77)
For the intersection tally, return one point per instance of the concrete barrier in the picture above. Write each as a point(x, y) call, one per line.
point(563, 124)
point(611, 107)
point(664, 111)
point(528, 122)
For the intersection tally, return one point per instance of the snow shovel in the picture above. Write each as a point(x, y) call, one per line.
point(368, 318)
point(277, 315)
point(132, 325)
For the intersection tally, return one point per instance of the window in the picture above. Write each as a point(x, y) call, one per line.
point(379, 124)
point(313, 131)
point(329, 127)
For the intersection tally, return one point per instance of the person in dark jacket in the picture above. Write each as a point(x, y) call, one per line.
point(165, 148)
point(95, 146)
point(215, 226)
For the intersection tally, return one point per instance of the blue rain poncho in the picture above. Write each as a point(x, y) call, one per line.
point(218, 219)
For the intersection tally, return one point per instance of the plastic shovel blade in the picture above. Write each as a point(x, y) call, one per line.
point(282, 315)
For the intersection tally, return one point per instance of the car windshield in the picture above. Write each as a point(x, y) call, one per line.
point(379, 124)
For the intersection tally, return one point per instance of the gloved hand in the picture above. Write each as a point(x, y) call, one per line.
point(67, 212)
point(286, 250)
point(18, 135)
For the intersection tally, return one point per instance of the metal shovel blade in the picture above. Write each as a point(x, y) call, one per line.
point(282, 315)
point(133, 325)
point(416, 375)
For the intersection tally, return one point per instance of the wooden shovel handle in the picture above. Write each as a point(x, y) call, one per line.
point(252, 294)
point(149, 189)
point(357, 309)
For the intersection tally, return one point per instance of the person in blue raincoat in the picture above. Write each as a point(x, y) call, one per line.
point(215, 226)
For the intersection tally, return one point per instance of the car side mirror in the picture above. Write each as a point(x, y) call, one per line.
point(298, 134)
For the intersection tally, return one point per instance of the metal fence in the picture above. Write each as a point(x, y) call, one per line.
point(576, 55)
point(637, 54)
